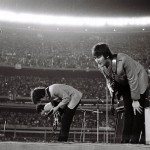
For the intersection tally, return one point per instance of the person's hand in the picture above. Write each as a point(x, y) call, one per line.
point(110, 89)
point(136, 107)
point(43, 113)
point(55, 109)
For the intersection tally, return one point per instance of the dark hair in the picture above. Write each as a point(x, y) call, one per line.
point(37, 94)
point(39, 108)
point(101, 49)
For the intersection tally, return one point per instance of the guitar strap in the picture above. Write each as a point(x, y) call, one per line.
point(114, 64)
point(114, 71)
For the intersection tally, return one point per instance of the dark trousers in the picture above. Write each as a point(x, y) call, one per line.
point(66, 121)
point(134, 128)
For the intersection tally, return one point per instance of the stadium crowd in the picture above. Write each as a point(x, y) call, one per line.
point(20, 86)
point(67, 50)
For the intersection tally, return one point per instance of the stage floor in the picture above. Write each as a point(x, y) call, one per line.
point(69, 146)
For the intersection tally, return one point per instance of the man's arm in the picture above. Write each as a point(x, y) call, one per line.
point(65, 98)
point(132, 77)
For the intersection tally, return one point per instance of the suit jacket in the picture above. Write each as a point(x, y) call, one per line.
point(129, 72)
point(65, 95)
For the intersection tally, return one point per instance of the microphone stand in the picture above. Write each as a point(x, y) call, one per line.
point(83, 126)
point(98, 117)
point(97, 120)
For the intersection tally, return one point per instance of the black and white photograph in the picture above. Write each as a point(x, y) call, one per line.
point(74, 74)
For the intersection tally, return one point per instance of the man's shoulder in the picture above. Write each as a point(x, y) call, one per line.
point(57, 86)
point(122, 57)
point(53, 87)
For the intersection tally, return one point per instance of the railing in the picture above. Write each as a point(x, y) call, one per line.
point(47, 134)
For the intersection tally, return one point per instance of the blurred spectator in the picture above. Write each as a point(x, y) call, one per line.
point(35, 48)
point(20, 86)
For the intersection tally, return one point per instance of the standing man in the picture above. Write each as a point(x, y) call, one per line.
point(131, 80)
point(63, 97)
